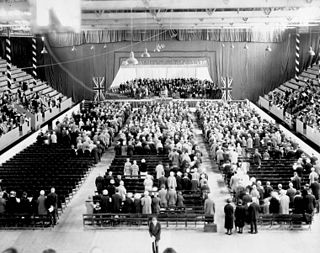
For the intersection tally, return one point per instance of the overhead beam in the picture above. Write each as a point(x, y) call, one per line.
point(194, 4)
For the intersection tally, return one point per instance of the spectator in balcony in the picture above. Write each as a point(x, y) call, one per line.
point(146, 203)
point(313, 176)
point(315, 187)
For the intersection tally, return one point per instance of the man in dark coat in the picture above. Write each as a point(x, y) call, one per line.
point(253, 213)
point(228, 222)
point(52, 203)
point(128, 206)
point(315, 187)
point(155, 232)
point(186, 182)
point(309, 203)
point(298, 203)
point(240, 216)
point(105, 202)
point(116, 201)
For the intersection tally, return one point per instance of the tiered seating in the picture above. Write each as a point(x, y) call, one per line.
point(192, 201)
point(40, 167)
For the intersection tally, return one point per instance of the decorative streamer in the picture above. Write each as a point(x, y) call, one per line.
point(8, 58)
point(34, 58)
point(297, 57)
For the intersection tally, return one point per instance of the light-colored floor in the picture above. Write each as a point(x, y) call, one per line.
point(69, 235)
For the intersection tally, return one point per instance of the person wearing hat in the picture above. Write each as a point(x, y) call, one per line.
point(253, 215)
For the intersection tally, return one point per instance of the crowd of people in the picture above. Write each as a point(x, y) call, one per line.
point(156, 128)
point(235, 131)
point(176, 87)
point(303, 103)
point(27, 206)
point(10, 118)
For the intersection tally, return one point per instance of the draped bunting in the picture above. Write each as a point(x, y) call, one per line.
point(106, 36)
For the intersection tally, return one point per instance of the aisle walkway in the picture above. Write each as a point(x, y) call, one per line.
point(71, 219)
point(219, 193)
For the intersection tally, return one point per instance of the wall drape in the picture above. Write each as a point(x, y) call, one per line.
point(254, 71)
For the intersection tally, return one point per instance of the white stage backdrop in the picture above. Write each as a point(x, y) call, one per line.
point(130, 72)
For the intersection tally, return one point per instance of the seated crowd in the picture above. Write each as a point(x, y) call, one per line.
point(156, 128)
point(177, 88)
point(233, 131)
point(10, 118)
point(303, 102)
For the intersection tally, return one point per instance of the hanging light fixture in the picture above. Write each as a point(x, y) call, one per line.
point(311, 52)
point(246, 46)
point(73, 49)
point(223, 45)
point(232, 46)
point(145, 52)
point(44, 50)
point(105, 46)
point(131, 60)
point(92, 47)
point(268, 49)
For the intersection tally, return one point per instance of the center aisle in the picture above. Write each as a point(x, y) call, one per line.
point(218, 193)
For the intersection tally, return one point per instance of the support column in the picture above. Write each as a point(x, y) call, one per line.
point(297, 57)
point(34, 59)
point(8, 59)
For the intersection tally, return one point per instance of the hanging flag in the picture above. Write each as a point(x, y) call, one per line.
point(226, 88)
point(98, 88)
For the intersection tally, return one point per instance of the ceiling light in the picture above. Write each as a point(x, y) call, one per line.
point(132, 60)
point(92, 47)
point(232, 46)
point(105, 46)
point(223, 45)
point(73, 48)
point(246, 46)
point(44, 50)
point(145, 53)
point(268, 49)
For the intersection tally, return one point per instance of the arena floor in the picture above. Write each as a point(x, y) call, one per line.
point(69, 236)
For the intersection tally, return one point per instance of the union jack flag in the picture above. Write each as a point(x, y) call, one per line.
point(226, 88)
point(99, 88)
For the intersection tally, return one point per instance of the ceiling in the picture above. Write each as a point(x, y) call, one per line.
point(177, 14)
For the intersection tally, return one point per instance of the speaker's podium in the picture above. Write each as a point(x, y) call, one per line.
point(210, 226)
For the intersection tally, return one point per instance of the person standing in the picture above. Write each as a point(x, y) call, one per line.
point(253, 213)
point(209, 209)
point(155, 232)
point(52, 203)
point(228, 222)
point(240, 216)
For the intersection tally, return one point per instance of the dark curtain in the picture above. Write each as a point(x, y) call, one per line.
point(21, 53)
